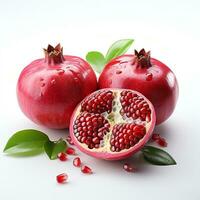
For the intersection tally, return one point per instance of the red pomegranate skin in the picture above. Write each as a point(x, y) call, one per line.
point(155, 81)
point(49, 88)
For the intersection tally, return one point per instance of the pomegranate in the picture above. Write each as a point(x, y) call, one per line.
point(146, 75)
point(49, 89)
point(112, 124)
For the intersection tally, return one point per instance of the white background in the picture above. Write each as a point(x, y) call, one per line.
point(170, 29)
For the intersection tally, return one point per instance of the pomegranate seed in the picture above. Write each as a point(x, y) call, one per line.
point(127, 167)
point(159, 140)
point(70, 151)
point(77, 162)
point(155, 136)
point(86, 170)
point(149, 76)
point(62, 156)
point(69, 140)
point(62, 178)
point(162, 142)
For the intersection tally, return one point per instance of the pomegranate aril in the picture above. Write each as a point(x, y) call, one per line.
point(62, 178)
point(70, 151)
point(86, 170)
point(138, 134)
point(155, 136)
point(62, 156)
point(96, 140)
point(129, 168)
point(69, 139)
point(162, 142)
point(77, 162)
point(83, 139)
point(138, 128)
point(91, 146)
point(159, 140)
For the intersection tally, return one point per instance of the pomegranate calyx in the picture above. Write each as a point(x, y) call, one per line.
point(54, 55)
point(143, 59)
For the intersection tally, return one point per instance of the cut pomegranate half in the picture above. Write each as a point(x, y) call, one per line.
point(112, 124)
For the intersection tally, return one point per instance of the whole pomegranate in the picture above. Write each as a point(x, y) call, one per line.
point(49, 89)
point(112, 124)
point(146, 75)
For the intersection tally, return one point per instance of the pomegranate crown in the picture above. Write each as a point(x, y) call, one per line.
point(54, 55)
point(143, 58)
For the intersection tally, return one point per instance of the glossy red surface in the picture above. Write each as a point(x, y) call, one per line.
point(157, 82)
point(49, 91)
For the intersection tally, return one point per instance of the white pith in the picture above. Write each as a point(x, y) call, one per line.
point(113, 118)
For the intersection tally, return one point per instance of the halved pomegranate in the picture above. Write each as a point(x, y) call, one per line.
point(112, 124)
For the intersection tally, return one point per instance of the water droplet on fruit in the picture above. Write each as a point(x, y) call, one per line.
point(76, 79)
point(61, 71)
point(149, 77)
point(53, 81)
point(118, 72)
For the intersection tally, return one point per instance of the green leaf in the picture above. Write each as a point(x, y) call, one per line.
point(118, 48)
point(157, 156)
point(96, 59)
point(52, 149)
point(26, 143)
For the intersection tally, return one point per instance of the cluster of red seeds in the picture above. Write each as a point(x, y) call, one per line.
point(134, 106)
point(125, 136)
point(62, 178)
point(63, 155)
point(98, 103)
point(90, 129)
point(78, 163)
